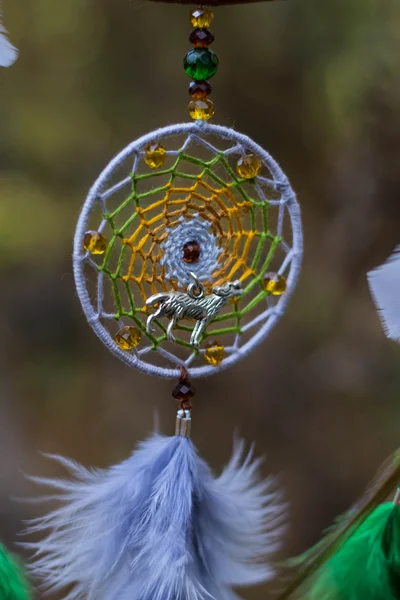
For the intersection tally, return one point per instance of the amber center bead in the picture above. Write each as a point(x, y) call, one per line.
point(215, 353)
point(201, 38)
point(95, 242)
point(128, 338)
point(201, 17)
point(275, 284)
point(155, 155)
point(201, 63)
point(191, 252)
point(249, 166)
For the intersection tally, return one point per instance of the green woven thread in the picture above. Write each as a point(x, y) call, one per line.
point(135, 198)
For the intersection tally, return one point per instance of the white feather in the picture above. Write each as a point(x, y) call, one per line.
point(384, 283)
point(8, 53)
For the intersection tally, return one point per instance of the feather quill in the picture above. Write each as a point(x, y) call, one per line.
point(384, 283)
point(159, 526)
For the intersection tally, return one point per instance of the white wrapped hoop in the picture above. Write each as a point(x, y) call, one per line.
point(282, 234)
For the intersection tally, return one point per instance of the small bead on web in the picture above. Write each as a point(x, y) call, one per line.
point(192, 199)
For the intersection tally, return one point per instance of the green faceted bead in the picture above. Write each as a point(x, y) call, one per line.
point(201, 63)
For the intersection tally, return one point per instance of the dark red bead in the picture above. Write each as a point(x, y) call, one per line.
point(201, 38)
point(183, 391)
point(191, 252)
point(200, 89)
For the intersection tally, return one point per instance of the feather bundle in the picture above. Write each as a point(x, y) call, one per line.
point(13, 585)
point(8, 54)
point(384, 283)
point(359, 558)
point(159, 526)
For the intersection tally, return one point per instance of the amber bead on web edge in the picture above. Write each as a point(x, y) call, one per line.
point(249, 166)
point(95, 242)
point(128, 338)
point(215, 353)
point(275, 284)
point(155, 155)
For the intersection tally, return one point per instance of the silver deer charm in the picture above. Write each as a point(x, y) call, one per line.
point(193, 304)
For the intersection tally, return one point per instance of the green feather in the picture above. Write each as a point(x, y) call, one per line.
point(367, 565)
point(333, 568)
point(13, 585)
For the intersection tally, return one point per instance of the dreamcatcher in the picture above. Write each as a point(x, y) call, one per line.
point(192, 221)
point(186, 253)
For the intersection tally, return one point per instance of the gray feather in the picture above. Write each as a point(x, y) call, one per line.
point(159, 526)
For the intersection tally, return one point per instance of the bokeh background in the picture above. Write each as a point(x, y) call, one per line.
point(317, 84)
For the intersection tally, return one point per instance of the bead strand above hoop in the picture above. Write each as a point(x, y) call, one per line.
point(201, 64)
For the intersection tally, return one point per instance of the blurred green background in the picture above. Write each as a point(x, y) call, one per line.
point(315, 82)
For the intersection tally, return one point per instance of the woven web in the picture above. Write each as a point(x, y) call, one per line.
point(145, 213)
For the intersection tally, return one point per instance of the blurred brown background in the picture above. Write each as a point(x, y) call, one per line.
point(315, 82)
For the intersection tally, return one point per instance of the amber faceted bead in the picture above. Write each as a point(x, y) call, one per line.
point(191, 252)
point(201, 63)
point(95, 242)
point(183, 391)
point(155, 155)
point(201, 17)
point(201, 110)
point(200, 89)
point(275, 284)
point(215, 353)
point(128, 338)
point(201, 38)
point(249, 166)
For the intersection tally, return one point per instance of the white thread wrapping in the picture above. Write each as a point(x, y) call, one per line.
point(265, 321)
point(189, 231)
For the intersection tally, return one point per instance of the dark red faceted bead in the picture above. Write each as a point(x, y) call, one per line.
point(201, 38)
point(200, 89)
point(191, 252)
point(183, 391)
